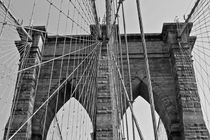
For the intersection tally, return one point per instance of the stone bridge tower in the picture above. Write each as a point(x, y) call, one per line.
point(175, 91)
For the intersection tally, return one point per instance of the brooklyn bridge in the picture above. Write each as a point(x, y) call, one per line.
point(68, 72)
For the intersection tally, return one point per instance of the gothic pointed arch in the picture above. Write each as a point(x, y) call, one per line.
point(61, 97)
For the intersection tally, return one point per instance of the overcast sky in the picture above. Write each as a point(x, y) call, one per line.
point(154, 13)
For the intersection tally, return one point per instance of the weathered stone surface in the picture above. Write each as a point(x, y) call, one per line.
point(173, 80)
point(24, 94)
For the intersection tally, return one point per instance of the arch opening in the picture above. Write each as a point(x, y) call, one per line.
point(71, 122)
point(63, 100)
point(142, 111)
point(165, 106)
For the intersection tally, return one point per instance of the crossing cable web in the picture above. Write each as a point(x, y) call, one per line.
point(115, 53)
point(200, 17)
point(68, 60)
point(198, 14)
point(70, 53)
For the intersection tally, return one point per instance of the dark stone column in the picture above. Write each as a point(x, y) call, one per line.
point(192, 123)
point(25, 88)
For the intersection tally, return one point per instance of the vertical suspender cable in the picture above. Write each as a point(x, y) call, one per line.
point(121, 67)
point(122, 70)
point(93, 4)
point(149, 84)
point(128, 62)
point(52, 68)
point(63, 61)
point(128, 99)
point(23, 63)
point(59, 128)
point(67, 73)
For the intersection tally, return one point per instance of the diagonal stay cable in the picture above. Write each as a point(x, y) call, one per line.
point(128, 98)
point(56, 58)
point(147, 70)
point(59, 128)
point(76, 23)
point(5, 17)
point(81, 77)
point(128, 63)
point(53, 93)
point(37, 30)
